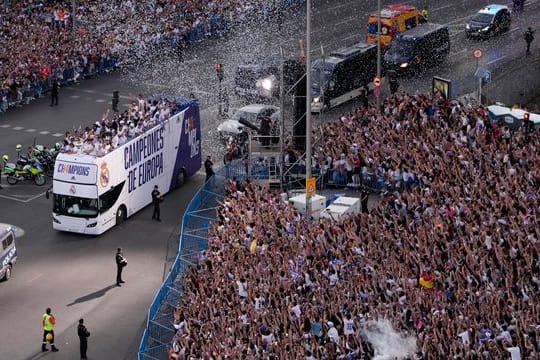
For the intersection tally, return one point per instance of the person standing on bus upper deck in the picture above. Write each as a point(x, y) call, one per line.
point(156, 199)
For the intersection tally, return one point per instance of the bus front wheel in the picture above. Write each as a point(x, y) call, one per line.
point(7, 274)
point(121, 215)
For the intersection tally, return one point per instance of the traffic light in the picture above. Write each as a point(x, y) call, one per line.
point(219, 71)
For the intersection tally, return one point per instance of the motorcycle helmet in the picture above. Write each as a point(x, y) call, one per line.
point(18, 148)
point(57, 146)
point(5, 158)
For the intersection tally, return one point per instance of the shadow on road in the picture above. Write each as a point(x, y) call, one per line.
point(91, 296)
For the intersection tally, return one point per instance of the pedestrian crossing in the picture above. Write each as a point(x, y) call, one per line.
point(30, 130)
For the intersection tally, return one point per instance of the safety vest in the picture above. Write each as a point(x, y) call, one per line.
point(48, 322)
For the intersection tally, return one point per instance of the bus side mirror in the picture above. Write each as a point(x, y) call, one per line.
point(47, 194)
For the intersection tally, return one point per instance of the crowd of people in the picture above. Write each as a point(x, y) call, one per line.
point(42, 44)
point(116, 129)
point(452, 260)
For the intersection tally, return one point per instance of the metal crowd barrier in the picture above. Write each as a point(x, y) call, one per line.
point(193, 239)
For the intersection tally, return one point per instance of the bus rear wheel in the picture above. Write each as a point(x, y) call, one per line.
point(121, 215)
point(180, 178)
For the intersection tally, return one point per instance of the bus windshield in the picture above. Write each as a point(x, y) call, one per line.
point(402, 46)
point(320, 77)
point(75, 206)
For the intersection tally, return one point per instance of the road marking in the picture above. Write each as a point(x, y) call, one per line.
point(11, 198)
point(5, 126)
point(75, 96)
point(459, 52)
point(346, 20)
point(442, 7)
point(514, 29)
point(57, 134)
point(100, 100)
point(30, 130)
point(495, 60)
point(35, 197)
point(35, 278)
point(194, 91)
point(44, 132)
point(18, 128)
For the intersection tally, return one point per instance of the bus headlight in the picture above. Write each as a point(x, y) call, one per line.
point(55, 220)
point(317, 99)
point(265, 87)
point(484, 29)
point(92, 225)
point(467, 26)
point(404, 65)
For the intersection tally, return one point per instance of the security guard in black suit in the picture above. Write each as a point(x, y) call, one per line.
point(83, 333)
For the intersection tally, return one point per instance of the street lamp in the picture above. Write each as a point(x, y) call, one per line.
point(378, 94)
point(308, 105)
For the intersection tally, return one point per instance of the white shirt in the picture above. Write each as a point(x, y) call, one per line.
point(333, 334)
point(348, 327)
point(242, 289)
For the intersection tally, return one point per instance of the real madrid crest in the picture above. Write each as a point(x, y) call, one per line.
point(104, 175)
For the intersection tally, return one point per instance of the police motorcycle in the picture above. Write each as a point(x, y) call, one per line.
point(46, 157)
point(24, 169)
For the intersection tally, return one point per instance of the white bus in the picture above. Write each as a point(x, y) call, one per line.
point(91, 194)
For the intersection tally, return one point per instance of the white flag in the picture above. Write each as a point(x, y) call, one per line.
point(515, 352)
point(465, 337)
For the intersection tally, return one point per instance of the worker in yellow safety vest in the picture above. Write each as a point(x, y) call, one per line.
point(423, 16)
point(48, 324)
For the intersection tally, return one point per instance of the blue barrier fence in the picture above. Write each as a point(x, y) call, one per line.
point(193, 239)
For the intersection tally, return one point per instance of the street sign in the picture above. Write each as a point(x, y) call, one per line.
point(487, 76)
point(377, 81)
point(310, 187)
point(482, 73)
point(477, 53)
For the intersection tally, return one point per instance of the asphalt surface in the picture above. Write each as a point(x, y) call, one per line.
point(73, 274)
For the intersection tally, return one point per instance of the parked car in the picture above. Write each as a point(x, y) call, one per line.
point(8, 251)
point(489, 21)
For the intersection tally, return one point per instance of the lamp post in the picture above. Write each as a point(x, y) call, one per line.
point(308, 106)
point(378, 94)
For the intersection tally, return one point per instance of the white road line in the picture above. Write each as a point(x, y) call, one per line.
point(35, 197)
point(194, 91)
point(75, 96)
point(442, 7)
point(30, 130)
point(5, 126)
point(18, 128)
point(100, 100)
point(458, 52)
point(346, 20)
point(495, 60)
point(35, 278)
point(12, 198)
point(57, 134)
point(44, 132)
point(514, 29)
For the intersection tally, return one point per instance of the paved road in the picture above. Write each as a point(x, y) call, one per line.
point(72, 273)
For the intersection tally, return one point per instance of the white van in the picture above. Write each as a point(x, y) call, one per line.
point(8, 251)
